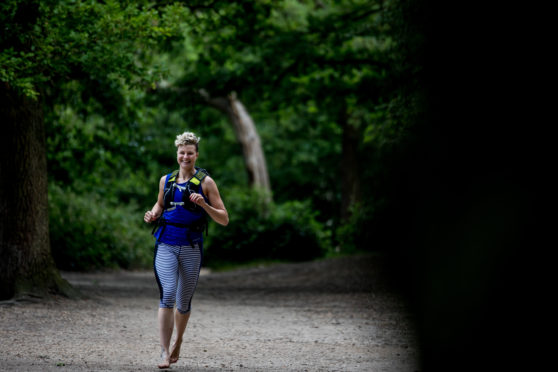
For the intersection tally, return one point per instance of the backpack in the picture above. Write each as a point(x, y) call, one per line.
point(192, 186)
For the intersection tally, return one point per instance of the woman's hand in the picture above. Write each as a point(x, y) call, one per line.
point(197, 199)
point(149, 217)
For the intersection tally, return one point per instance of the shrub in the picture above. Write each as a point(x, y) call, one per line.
point(356, 234)
point(86, 233)
point(287, 231)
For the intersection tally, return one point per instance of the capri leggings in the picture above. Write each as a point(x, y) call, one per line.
point(177, 269)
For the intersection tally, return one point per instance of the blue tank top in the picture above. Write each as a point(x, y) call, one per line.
point(179, 236)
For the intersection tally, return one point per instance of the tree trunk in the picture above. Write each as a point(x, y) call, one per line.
point(26, 267)
point(248, 137)
point(350, 187)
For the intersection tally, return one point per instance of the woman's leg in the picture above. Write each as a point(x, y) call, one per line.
point(166, 267)
point(165, 333)
point(188, 274)
point(181, 321)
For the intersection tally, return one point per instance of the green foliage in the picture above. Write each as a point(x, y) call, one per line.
point(357, 233)
point(47, 42)
point(119, 80)
point(287, 231)
point(88, 152)
point(336, 67)
point(87, 233)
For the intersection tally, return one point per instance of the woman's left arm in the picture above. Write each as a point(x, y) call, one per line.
point(216, 210)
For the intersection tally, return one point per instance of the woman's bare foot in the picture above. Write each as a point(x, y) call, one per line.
point(175, 353)
point(165, 361)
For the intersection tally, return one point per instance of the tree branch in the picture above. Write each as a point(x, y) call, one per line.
point(220, 103)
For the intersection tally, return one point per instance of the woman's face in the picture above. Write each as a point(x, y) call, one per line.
point(186, 155)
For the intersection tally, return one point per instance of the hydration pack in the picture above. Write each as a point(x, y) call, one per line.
point(192, 186)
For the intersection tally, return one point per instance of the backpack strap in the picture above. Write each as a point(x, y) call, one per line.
point(168, 195)
point(171, 178)
point(199, 176)
point(196, 180)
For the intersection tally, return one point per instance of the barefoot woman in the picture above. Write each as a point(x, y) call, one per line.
point(185, 198)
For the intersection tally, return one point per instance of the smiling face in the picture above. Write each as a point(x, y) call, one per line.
point(186, 156)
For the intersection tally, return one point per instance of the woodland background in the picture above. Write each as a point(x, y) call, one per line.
point(324, 82)
point(386, 127)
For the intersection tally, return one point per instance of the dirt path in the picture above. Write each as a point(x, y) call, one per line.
point(329, 315)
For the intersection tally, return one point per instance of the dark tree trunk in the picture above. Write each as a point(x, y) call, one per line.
point(26, 265)
point(350, 187)
point(248, 137)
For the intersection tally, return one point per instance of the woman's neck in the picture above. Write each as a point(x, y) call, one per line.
point(186, 174)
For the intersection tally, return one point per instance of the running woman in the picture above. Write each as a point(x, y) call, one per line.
point(185, 198)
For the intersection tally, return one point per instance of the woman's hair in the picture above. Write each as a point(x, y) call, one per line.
point(187, 138)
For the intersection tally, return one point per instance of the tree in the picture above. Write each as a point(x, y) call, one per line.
point(247, 136)
point(43, 45)
point(334, 71)
point(24, 239)
point(324, 67)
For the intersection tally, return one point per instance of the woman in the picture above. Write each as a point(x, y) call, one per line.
point(185, 198)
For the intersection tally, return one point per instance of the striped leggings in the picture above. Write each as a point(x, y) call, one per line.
point(177, 269)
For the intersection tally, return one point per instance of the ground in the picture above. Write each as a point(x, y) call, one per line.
point(328, 315)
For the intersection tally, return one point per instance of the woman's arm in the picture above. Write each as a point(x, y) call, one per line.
point(157, 209)
point(216, 210)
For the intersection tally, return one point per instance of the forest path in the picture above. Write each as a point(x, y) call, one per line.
point(328, 315)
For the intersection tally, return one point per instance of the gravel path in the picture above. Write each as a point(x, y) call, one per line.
point(328, 315)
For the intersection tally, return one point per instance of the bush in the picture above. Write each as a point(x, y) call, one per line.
point(287, 231)
point(357, 233)
point(86, 233)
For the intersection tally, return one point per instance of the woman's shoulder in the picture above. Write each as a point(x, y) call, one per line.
point(207, 179)
point(208, 184)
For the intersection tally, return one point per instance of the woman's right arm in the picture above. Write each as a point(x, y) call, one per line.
point(157, 209)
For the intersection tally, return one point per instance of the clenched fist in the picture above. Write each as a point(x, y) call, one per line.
point(149, 217)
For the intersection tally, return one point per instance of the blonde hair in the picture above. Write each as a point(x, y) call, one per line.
point(187, 138)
